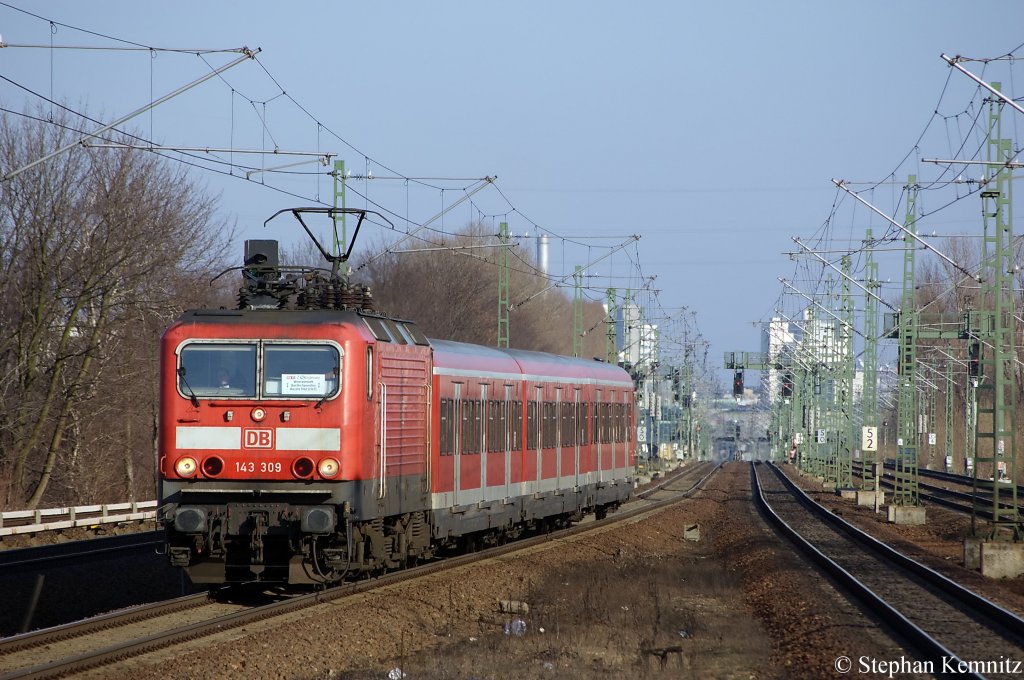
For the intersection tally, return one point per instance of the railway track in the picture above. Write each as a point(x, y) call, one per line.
point(956, 631)
point(102, 640)
point(948, 494)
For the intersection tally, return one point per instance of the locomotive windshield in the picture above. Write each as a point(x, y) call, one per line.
point(218, 370)
point(260, 369)
point(300, 370)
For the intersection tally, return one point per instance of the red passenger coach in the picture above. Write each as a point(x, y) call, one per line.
point(305, 438)
point(526, 435)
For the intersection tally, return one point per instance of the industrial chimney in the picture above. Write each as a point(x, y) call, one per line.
point(542, 252)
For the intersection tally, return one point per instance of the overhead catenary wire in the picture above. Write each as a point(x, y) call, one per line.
point(248, 55)
point(190, 156)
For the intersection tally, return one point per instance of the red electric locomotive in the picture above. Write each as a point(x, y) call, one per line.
point(305, 438)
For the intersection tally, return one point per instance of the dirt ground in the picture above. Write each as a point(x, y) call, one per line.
point(638, 601)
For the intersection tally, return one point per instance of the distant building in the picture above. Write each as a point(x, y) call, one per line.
point(779, 340)
point(638, 340)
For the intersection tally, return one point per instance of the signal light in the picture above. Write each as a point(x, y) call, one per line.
point(974, 359)
point(737, 384)
point(787, 385)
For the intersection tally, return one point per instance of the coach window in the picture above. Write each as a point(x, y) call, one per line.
point(216, 370)
point(583, 423)
point(569, 423)
point(301, 370)
point(550, 424)
point(605, 423)
point(531, 425)
point(496, 429)
point(478, 425)
point(620, 421)
point(467, 427)
point(446, 427)
point(517, 425)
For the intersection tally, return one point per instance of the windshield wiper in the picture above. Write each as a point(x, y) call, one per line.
point(191, 394)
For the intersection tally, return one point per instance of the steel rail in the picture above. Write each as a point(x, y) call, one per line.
point(968, 602)
point(947, 585)
point(964, 480)
point(943, 496)
point(142, 612)
point(192, 631)
point(931, 647)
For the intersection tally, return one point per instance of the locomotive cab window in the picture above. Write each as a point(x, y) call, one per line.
point(248, 370)
point(218, 370)
point(301, 370)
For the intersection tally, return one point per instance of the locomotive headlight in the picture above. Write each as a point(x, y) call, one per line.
point(185, 467)
point(258, 414)
point(329, 468)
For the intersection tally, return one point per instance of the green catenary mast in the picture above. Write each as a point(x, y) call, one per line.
point(503, 285)
point(995, 451)
point(869, 403)
point(905, 491)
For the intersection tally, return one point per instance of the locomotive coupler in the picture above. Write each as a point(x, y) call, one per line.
point(259, 528)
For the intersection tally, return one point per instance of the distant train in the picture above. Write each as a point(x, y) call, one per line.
point(305, 438)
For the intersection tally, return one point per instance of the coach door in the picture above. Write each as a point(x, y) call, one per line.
point(483, 444)
point(538, 435)
point(507, 422)
point(574, 418)
point(457, 444)
point(595, 434)
point(559, 413)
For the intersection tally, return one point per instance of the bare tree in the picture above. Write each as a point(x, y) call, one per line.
point(451, 291)
point(99, 247)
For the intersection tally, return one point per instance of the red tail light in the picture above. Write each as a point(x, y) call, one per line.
point(213, 466)
point(303, 468)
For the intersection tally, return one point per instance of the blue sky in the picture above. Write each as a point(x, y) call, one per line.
point(710, 129)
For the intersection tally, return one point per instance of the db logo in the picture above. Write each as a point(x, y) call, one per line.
point(258, 439)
